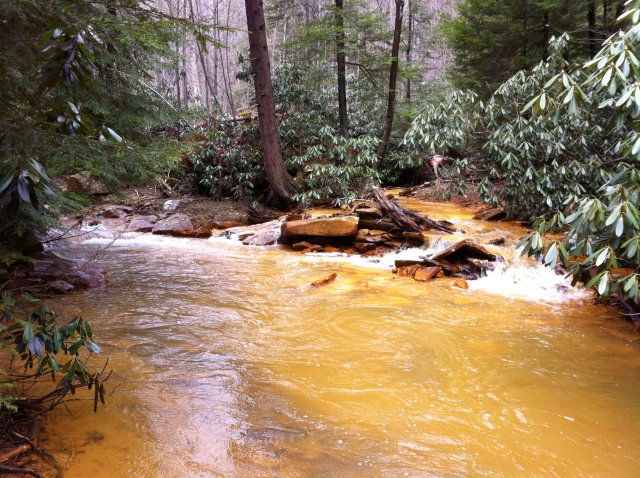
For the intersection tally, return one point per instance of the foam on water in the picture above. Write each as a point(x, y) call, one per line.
point(518, 278)
point(529, 280)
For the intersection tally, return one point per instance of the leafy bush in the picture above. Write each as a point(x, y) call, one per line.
point(336, 168)
point(33, 334)
point(329, 167)
point(560, 146)
point(227, 164)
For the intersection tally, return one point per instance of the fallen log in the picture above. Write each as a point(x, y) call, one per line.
point(405, 219)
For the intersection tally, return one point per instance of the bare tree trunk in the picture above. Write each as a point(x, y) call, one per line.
point(277, 176)
point(342, 75)
point(176, 65)
point(393, 77)
point(210, 88)
point(409, 46)
point(185, 91)
point(593, 35)
point(226, 76)
point(546, 27)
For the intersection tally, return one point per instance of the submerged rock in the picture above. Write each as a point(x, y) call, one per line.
point(176, 225)
point(322, 227)
point(461, 284)
point(60, 286)
point(325, 281)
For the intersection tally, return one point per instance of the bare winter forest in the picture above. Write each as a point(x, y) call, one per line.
point(207, 77)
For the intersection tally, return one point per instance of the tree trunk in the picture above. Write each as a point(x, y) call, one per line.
point(409, 46)
point(546, 26)
point(277, 177)
point(185, 90)
point(393, 77)
point(342, 75)
point(593, 35)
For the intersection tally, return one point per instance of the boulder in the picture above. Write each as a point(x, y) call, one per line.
point(88, 277)
point(176, 225)
point(171, 205)
point(60, 286)
point(83, 183)
point(491, 214)
point(142, 223)
point(266, 237)
point(264, 234)
point(322, 227)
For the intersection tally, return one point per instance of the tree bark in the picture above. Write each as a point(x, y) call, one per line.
point(277, 177)
point(593, 35)
point(547, 27)
point(342, 75)
point(393, 77)
point(409, 46)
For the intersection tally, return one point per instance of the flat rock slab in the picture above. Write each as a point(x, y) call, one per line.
point(492, 214)
point(176, 225)
point(462, 251)
point(327, 227)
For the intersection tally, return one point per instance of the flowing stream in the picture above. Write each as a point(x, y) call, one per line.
point(229, 364)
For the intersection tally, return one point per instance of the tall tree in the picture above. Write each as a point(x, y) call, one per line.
point(409, 46)
point(277, 177)
point(393, 78)
point(342, 77)
point(593, 34)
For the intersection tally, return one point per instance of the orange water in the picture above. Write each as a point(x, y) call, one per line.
point(229, 364)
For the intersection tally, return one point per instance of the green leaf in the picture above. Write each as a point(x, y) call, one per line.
point(602, 257)
point(620, 227)
point(602, 285)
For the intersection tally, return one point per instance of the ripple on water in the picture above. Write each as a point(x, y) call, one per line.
point(235, 366)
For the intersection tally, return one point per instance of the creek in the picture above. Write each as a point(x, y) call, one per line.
point(228, 363)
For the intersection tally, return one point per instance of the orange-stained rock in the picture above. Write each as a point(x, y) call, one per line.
point(491, 214)
point(176, 225)
point(331, 249)
point(425, 274)
point(227, 224)
point(301, 246)
point(408, 271)
point(339, 226)
point(461, 284)
point(330, 278)
point(312, 248)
